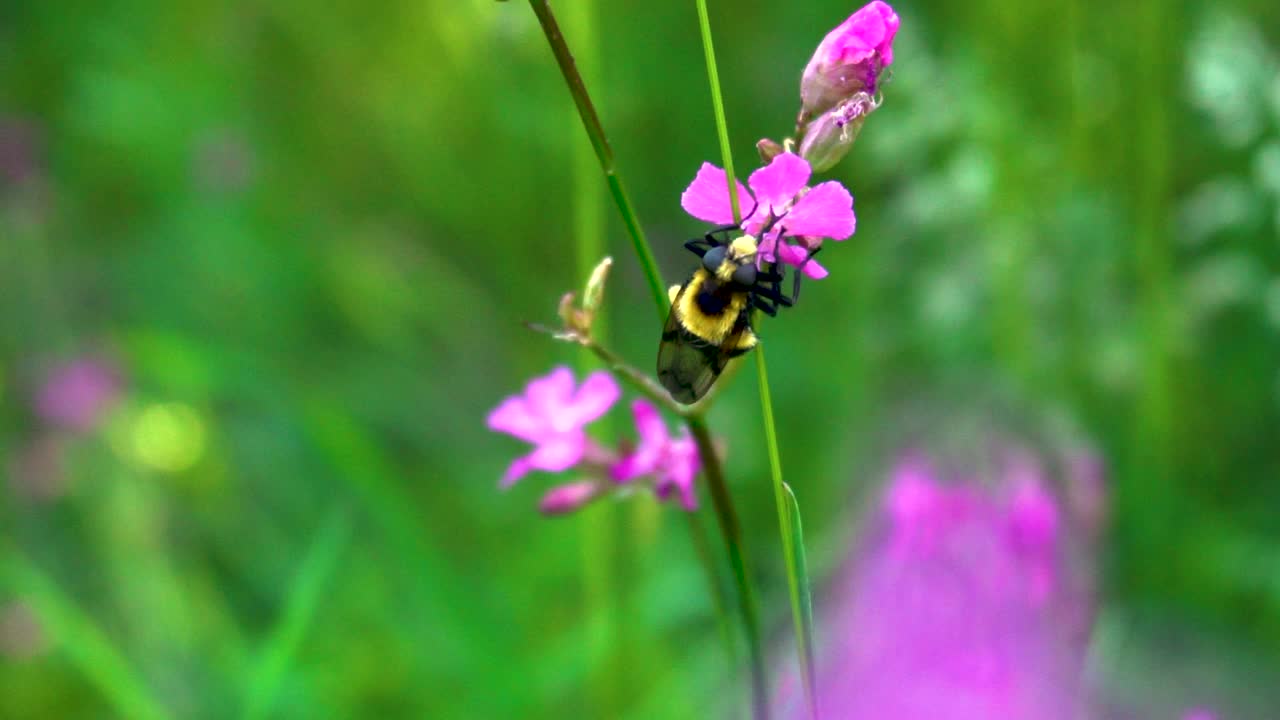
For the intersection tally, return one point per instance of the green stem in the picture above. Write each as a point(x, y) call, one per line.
point(732, 532)
point(604, 153)
point(717, 106)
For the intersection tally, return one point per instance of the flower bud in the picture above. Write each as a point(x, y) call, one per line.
point(827, 139)
point(564, 499)
point(769, 150)
point(594, 293)
point(850, 59)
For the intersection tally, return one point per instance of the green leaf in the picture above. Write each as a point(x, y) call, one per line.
point(300, 607)
point(86, 645)
point(801, 597)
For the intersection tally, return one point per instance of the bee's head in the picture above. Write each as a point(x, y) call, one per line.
point(733, 263)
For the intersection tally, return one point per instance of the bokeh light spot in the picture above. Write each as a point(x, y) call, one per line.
point(168, 436)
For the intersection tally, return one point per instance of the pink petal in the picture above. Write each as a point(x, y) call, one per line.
point(649, 423)
point(870, 29)
point(825, 211)
point(548, 394)
point(799, 256)
point(567, 498)
point(707, 197)
point(680, 471)
point(558, 454)
point(653, 442)
point(598, 393)
point(518, 469)
point(512, 417)
point(776, 184)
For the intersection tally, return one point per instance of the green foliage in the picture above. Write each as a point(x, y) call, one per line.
point(308, 236)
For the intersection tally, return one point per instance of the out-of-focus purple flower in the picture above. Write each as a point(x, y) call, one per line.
point(785, 207)
point(551, 415)
point(563, 499)
point(849, 59)
point(76, 395)
point(674, 462)
point(958, 610)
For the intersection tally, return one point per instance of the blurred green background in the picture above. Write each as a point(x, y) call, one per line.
point(306, 236)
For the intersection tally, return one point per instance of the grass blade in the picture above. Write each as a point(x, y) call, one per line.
point(801, 598)
point(87, 646)
point(304, 596)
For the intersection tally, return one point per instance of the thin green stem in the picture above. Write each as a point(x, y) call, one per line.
point(732, 532)
point(604, 153)
point(796, 591)
point(717, 106)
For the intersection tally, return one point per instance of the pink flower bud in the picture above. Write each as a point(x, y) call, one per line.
point(564, 499)
point(850, 59)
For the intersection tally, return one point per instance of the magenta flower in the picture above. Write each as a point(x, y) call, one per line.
point(552, 415)
point(785, 207)
point(77, 394)
point(850, 59)
point(564, 499)
point(674, 462)
point(947, 615)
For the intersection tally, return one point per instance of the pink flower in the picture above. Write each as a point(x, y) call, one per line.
point(785, 207)
point(77, 394)
point(564, 499)
point(934, 619)
point(674, 462)
point(850, 59)
point(551, 415)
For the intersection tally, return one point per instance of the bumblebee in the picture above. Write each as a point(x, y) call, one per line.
point(710, 319)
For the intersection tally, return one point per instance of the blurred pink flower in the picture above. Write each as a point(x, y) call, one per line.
point(785, 207)
point(551, 415)
point(849, 59)
point(77, 394)
point(569, 497)
point(959, 610)
point(674, 462)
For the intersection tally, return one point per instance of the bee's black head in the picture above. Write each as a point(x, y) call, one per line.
point(714, 258)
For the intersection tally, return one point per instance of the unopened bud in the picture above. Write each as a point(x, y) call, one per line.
point(564, 499)
point(849, 60)
point(827, 139)
point(594, 294)
point(769, 150)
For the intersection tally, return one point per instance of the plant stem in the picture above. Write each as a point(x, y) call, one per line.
point(717, 106)
point(604, 153)
point(732, 532)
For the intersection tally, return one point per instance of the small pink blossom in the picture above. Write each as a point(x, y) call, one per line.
point(850, 59)
point(76, 395)
point(674, 462)
point(564, 499)
point(551, 415)
point(785, 207)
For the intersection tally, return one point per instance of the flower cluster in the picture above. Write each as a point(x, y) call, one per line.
point(790, 218)
point(553, 415)
point(962, 607)
point(840, 87)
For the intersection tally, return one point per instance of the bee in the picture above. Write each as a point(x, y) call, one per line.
point(710, 319)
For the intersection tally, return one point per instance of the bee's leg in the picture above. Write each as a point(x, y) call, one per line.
point(699, 247)
point(769, 308)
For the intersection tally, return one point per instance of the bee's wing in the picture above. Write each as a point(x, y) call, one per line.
point(688, 365)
